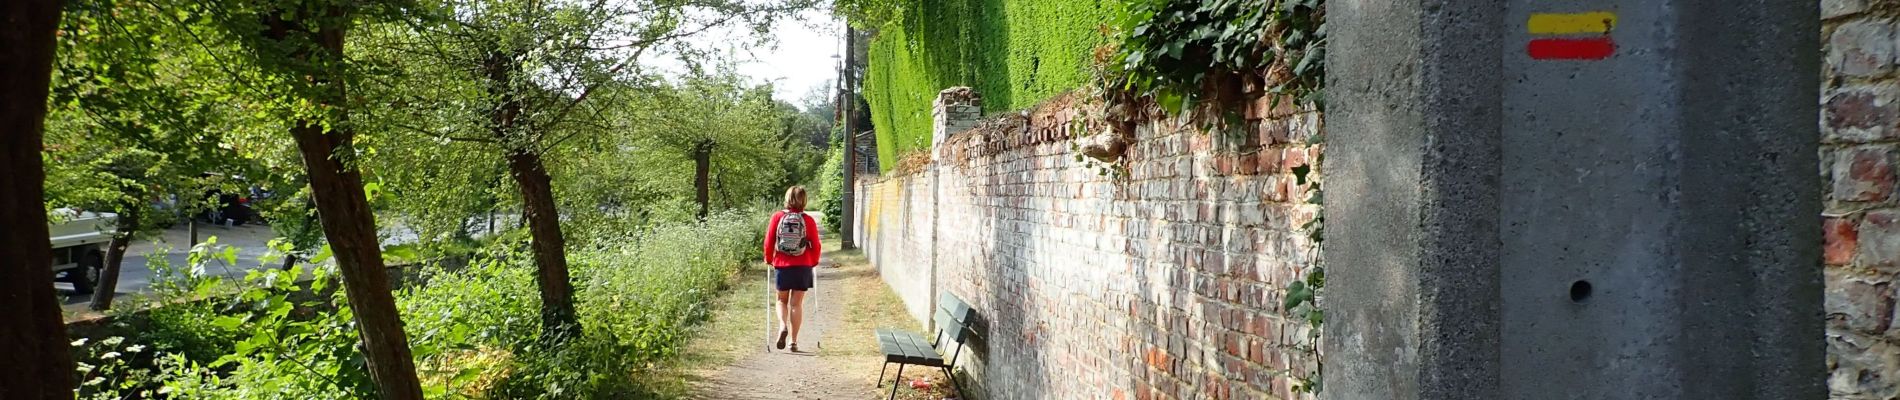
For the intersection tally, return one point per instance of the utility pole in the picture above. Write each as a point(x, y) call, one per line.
point(848, 98)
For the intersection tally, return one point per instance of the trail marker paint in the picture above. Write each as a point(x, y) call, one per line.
point(1565, 24)
point(1596, 46)
point(1571, 49)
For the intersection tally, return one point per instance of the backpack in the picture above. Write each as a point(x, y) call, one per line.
point(791, 234)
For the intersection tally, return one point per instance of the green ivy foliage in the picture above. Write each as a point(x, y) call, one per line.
point(1014, 52)
point(1179, 51)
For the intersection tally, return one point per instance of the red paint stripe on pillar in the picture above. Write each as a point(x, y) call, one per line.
point(1571, 49)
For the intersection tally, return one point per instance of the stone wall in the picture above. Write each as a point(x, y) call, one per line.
point(1165, 284)
point(1860, 125)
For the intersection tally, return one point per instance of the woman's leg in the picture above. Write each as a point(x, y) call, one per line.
point(784, 312)
point(798, 313)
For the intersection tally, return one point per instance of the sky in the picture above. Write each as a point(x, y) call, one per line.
point(799, 57)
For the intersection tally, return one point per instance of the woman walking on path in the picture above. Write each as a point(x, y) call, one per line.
point(791, 247)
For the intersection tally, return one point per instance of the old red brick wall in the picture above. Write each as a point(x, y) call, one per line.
point(1167, 284)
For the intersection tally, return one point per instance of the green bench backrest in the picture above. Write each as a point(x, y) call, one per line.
point(954, 317)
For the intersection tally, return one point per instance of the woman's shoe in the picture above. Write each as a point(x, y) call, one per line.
point(781, 340)
point(794, 347)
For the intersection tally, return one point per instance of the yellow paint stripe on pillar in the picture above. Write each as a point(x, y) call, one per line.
point(1558, 24)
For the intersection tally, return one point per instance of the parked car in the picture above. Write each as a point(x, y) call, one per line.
point(232, 208)
point(78, 238)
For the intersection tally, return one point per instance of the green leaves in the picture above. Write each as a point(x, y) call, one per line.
point(1169, 48)
point(1297, 294)
point(1301, 297)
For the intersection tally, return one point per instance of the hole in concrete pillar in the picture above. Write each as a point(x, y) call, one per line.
point(1580, 291)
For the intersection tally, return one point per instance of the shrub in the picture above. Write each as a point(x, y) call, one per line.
point(829, 196)
point(474, 330)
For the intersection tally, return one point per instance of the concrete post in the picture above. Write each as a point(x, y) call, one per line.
point(955, 110)
point(1533, 199)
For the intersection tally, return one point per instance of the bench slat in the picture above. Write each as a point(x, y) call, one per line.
point(925, 354)
point(956, 307)
point(951, 326)
point(918, 351)
point(896, 347)
point(884, 343)
point(887, 342)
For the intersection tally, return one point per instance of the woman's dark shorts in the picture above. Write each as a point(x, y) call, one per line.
point(792, 278)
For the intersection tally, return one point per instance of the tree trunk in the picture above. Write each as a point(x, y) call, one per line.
point(351, 229)
point(33, 345)
point(550, 247)
point(108, 283)
point(702, 168)
point(337, 189)
point(191, 224)
point(558, 320)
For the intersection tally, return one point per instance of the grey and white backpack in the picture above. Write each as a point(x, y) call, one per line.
point(791, 234)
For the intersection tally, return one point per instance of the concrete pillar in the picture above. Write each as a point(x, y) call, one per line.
point(1537, 199)
point(955, 110)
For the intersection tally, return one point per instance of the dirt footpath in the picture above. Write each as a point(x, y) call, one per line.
point(838, 358)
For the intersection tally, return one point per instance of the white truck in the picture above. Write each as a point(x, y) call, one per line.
point(79, 238)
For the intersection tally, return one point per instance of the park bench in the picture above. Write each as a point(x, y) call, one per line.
point(953, 319)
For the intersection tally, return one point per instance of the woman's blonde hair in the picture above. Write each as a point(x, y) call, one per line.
point(795, 198)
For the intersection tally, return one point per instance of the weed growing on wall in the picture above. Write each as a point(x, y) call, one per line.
point(1303, 296)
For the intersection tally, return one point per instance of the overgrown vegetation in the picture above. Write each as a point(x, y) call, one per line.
point(1205, 58)
point(1015, 52)
point(828, 197)
point(570, 206)
point(474, 329)
point(1180, 53)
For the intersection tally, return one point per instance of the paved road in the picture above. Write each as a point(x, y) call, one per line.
point(173, 245)
point(251, 240)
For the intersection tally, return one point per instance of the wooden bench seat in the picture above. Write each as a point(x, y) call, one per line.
point(953, 318)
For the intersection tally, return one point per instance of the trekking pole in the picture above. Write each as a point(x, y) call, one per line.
point(768, 308)
point(819, 343)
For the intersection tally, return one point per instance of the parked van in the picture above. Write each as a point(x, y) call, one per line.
point(79, 239)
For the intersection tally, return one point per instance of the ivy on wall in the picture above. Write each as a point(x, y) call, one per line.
point(1015, 52)
point(1205, 58)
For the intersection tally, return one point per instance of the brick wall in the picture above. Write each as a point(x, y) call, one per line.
point(1165, 285)
point(1860, 125)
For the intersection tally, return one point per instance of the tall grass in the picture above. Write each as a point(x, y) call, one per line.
point(473, 330)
